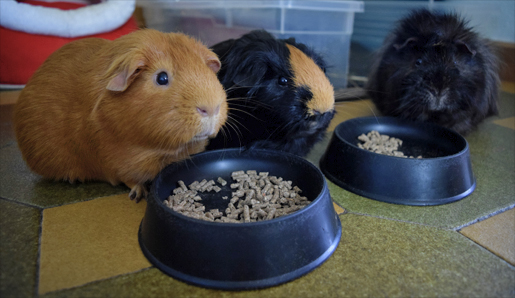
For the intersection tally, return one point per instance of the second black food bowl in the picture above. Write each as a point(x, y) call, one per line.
point(443, 175)
point(239, 255)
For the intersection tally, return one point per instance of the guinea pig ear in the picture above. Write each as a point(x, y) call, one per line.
point(464, 48)
point(291, 41)
point(125, 72)
point(406, 42)
point(213, 63)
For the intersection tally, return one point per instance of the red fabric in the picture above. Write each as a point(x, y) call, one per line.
point(60, 5)
point(22, 53)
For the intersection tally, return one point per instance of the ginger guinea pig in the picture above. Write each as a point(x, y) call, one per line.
point(279, 96)
point(121, 110)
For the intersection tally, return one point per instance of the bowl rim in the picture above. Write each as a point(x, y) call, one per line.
point(153, 191)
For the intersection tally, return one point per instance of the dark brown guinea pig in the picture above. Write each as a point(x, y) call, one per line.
point(434, 68)
point(279, 96)
point(119, 111)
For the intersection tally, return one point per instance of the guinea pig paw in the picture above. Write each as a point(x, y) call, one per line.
point(138, 192)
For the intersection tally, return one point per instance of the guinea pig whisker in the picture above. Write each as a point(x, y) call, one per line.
point(279, 129)
point(406, 105)
point(236, 130)
point(236, 87)
point(371, 109)
point(267, 107)
point(245, 112)
point(231, 125)
point(236, 125)
point(247, 100)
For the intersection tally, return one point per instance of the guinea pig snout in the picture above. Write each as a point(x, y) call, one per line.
point(317, 112)
point(209, 119)
point(206, 111)
point(317, 109)
point(438, 91)
point(437, 99)
point(316, 104)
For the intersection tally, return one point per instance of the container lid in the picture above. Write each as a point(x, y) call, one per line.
point(352, 6)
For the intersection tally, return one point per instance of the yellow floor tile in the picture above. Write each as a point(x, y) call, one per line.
point(89, 241)
point(339, 210)
point(496, 233)
point(506, 122)
point(9, 97)
point(352, 109)
point(508, 86)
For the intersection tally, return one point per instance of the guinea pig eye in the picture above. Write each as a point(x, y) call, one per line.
point(162, 78)
point(418, 62)
point(283, 81)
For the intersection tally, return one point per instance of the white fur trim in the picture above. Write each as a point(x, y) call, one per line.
point(88, 20)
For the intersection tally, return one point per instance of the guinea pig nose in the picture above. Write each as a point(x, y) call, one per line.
point(202, 112)
point(208, 111)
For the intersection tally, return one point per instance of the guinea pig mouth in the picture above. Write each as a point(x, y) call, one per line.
point(311, 128)
point(200, 137)
point(437, 102)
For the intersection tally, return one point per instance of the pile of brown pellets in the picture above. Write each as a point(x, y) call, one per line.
point(382, 144)
point(254, 197)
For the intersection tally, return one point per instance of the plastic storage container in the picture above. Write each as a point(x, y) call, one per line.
point(324, 25)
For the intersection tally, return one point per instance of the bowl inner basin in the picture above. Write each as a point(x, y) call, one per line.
point(419, 139)
point(206, 167)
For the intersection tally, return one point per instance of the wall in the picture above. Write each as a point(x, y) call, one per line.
point(492, 19)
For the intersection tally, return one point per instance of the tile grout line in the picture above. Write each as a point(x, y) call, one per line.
point(487, 250)
point(427, 225)
point(449, 229)
point(22, 203)
point(485, 217)
point(83, 201)
point(100, 280)
point(398, 220)
point(8, 144)
point(38, 259)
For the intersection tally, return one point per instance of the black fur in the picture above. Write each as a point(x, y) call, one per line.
point(263, 113)
point(434, 68)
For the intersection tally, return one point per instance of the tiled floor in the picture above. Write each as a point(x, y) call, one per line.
point(64, 240)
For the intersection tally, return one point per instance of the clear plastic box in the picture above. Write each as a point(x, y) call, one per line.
point(325, 26)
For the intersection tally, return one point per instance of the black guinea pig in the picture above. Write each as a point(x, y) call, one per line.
point(279, 96)
point(435, 68)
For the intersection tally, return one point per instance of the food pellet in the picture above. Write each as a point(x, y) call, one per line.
point(382, 144)
point(221, 181)
point(182, 185)
point(256, 196)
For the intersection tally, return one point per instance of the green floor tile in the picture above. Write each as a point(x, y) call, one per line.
point(19, 237)
point(506, 105)
point(375, 258)
point(18, 183)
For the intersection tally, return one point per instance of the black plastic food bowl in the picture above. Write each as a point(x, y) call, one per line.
point(237, 256)
point(443, 175)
